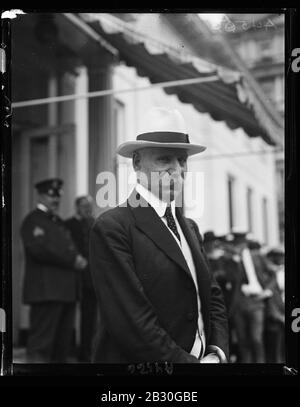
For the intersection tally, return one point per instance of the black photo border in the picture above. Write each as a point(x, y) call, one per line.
point(161, 374)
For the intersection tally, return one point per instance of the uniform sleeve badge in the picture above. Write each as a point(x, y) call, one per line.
point(37, 231)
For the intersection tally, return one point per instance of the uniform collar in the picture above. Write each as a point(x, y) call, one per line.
point(42, 207)
point(158, 205)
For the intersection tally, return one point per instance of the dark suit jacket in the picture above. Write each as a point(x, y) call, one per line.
point(49, 259)
point(80, 230)
point(237, 276)
point(147, 297)
point(265, 276)
point(220, 267)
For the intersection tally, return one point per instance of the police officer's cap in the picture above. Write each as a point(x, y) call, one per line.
point(239, 235)
point(254, 245)
point(51, 187)
point(276, 251)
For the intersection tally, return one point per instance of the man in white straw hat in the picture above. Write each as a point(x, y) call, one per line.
point(158, 300)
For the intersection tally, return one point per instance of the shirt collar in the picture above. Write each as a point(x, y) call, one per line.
point(158, 205)
point(42, 207)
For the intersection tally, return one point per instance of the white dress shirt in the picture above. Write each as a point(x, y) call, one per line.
point(253, 285)
point(159, 206)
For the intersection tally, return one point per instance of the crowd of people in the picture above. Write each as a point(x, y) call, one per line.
point(252, 281)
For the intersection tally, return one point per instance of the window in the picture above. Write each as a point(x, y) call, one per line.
point(265, 221)
point(249, 209)
point(39, 164)
point(230, 186)
point(266, 48)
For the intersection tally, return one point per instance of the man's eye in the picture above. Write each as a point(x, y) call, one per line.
point(164, 159)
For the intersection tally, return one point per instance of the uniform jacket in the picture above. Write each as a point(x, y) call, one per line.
point(147, 297)
point(80, 229)
point(49, 259)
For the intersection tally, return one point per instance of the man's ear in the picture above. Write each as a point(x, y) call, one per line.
point(136, 158)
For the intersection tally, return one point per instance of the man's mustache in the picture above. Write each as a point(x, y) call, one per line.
point(172, 177)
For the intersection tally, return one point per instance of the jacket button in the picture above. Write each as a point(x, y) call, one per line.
point(190, 316)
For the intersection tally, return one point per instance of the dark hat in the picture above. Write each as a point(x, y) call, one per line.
point(239, 236)
point(254, 245)
point(276, 251)
point(51, 187)
point(161, 127)
point(209, 236)
point(223, 238)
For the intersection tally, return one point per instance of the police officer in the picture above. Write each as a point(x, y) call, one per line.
point(79, 226)
point(50, 283)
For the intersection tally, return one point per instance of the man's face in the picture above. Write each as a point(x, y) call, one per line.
point(85, 208)
point(161, 170)
point(51, 202)
point(278, 260)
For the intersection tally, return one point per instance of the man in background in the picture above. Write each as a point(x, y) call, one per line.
point(275, 310)
point(254, 289)
point(79, 226)
point(216, 256)
point(221, 255)
point(50, 284)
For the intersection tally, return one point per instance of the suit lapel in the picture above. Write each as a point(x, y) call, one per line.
point(193, 243)
point(149, 223)
point(201, 267)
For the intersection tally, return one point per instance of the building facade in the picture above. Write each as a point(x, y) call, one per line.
point(260, 42)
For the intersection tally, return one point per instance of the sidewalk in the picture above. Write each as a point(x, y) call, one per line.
point(19, 356)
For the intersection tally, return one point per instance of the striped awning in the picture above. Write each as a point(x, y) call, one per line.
point(227, 97)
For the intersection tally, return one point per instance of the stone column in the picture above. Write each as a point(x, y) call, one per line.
point(100, 115)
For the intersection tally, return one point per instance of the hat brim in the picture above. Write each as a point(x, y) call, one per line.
point(127, 149)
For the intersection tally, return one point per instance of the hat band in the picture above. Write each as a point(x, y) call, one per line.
point(164, 137)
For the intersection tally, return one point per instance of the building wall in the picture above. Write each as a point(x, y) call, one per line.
point(263, 52)
point(156, 26)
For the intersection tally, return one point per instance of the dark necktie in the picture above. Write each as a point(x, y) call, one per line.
point(171, 222)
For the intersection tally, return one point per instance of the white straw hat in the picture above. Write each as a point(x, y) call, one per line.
point(161, 127)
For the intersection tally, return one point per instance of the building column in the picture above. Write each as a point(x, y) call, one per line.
point(100, 116)
point(82, 132)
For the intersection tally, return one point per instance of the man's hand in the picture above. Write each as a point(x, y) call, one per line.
point(248, 290)
point(259, 293)
point(267, 293)
point(80, 262)
point(210, 358)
